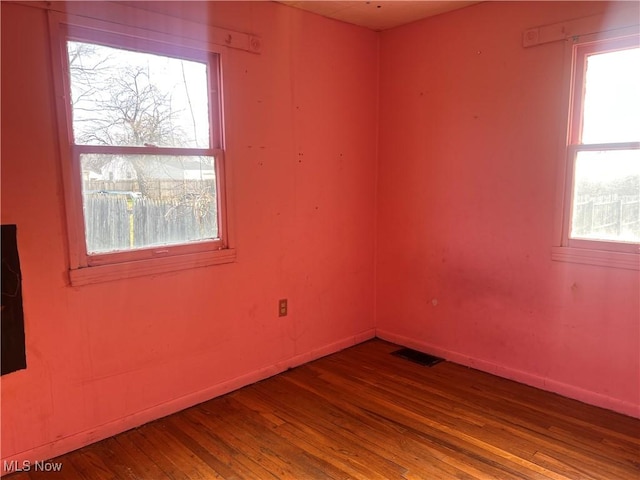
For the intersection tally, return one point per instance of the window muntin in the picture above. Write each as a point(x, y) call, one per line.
point(144, 125)
point(603, 149)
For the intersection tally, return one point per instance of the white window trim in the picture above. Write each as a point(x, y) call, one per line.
point(566, 249)
point(154, 260)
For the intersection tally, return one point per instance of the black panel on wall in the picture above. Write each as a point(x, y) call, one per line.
point(13, 355)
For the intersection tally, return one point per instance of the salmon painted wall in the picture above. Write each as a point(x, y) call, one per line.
point(470, 135)
point(301, 149)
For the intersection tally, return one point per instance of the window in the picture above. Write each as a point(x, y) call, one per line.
point(142, 151)
point(602, 201)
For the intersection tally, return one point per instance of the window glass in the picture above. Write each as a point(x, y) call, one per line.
point(126, 98)
point(606, 201)
point(141, 201)
point(612, 97)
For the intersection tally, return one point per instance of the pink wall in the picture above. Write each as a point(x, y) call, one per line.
point(467, 163)
point(470, 132)
point(301, 148)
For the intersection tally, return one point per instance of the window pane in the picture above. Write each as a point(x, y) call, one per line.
point(612, 97)
point(606, 202)
point(126, 98)
point(138, 201)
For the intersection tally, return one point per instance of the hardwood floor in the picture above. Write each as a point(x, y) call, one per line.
point(365, 414)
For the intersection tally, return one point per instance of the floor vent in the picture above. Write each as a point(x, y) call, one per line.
point(417, 357)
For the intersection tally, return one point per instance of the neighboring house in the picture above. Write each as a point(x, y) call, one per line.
point(89, 174)
point(173, 168)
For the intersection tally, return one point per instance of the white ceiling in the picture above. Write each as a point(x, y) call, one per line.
point(378, 15)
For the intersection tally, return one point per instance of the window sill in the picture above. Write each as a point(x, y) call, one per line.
point(152, 266)
point(601, 258)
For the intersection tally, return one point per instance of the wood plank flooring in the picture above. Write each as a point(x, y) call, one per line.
point(365, 414)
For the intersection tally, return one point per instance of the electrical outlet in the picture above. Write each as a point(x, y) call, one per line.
point(282, 308)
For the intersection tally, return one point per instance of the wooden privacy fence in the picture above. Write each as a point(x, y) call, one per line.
point(118, 222)
point(607, 214)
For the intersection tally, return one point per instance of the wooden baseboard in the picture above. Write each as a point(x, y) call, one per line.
point(87, 437)
point(543, 383)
